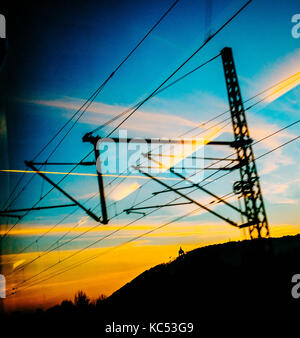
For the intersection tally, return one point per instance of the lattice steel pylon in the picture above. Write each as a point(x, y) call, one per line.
point(249, 186)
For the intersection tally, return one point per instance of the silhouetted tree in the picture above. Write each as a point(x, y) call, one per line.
point(81, 300)
point(100, 300)
point(67, 305)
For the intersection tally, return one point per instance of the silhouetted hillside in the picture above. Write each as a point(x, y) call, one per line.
point(232, 280)
point(249, 280)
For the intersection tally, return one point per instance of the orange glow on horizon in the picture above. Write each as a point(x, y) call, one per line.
point(114, 268)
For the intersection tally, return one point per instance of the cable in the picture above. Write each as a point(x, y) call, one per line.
point(52, 228)
point(265, 90)
point(158, 92)
point(176, 81)
point(48, 250)
point(144, 234)
point(138, 203)
point(77, 252)
point(97, 226)
point(273, 93)
point(272, 134)
point(89, 101)
point(264, 154)
point(249, 99)
point(178, 68)
point(175, 71)
point(202, 124)
point(148, 97)
point(81, 234)
point(282, 145)
point(69, 216)
point(219, 115)
point(262, 139)
point(111, 191)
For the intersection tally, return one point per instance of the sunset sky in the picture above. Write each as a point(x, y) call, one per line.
point(65, 53)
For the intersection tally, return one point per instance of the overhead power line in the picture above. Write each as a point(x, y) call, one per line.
point(158, 92)
point(182, 65)
point(145, 100)
point(92, 244)
point(286, 127)
point(112, 233)
point(282, 145)
point(90, 100)
point(268, 152)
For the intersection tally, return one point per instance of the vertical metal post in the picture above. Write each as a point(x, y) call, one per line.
point(94, 140)
point(100, 184)
point(248, 186)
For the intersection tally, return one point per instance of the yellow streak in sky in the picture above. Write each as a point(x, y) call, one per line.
point(284, 87)
point(83, 174)
point(186, 149)
point(17, 263)
point(28, 230)
point(123, 191)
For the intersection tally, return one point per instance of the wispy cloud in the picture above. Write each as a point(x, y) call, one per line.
point(278, 193)
point(160, 123)
point(146, 122)
point(276, 71)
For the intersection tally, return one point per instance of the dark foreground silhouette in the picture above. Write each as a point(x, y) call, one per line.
point(235, 280)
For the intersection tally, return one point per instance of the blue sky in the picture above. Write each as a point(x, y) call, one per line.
point(71, 49)
point(67, 50)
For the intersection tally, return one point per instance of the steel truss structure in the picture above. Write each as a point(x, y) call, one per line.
point(247, 187)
